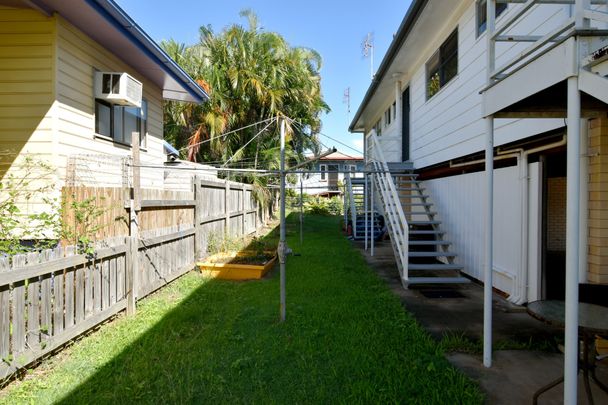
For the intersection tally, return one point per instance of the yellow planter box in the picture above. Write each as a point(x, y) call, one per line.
point(234, 271)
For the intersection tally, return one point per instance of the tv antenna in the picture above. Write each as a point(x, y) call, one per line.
point(346, 100)
point(367, 48)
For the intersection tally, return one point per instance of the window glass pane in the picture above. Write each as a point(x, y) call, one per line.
point(131, 123)
point(450, 69)
point(103, 119)
point(432, 71)
point(118, 128)
point(442, 66)
point(482, 16)
point(323, 169)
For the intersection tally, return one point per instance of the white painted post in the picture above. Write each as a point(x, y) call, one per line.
point(489, 264)
point(572, 241)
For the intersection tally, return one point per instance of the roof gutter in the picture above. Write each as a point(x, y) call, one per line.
point(109, 10)
point(404, 30)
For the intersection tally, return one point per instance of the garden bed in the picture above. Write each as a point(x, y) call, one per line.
point(238, 265)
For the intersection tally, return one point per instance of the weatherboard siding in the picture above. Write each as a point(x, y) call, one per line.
point(78, 56)
point(26, 85)
point(450, 124)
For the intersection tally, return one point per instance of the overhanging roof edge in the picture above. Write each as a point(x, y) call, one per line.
point(119, 18)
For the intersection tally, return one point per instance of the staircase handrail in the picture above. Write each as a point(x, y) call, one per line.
point(395, 218)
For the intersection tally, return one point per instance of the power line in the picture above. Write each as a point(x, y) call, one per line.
point(248, 142)
point(226, 134)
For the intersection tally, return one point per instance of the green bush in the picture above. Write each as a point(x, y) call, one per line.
point(324, 206)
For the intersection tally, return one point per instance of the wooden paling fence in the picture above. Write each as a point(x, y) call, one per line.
point(48, 298)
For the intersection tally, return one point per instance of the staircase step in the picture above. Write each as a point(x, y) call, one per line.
point(419, 213)
point(429, 243)
point(424, 222)
point(409, 188)
point(425, 232)
point(417, 204)
point(433, 266)
point(425, 196)
point(430, 254)
point(438, 280)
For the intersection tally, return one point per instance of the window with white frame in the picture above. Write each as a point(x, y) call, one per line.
point(378, 128)
point(323, 169)
point(482, 14)
point(387, 117)
point(443, 65)
point(119, 122)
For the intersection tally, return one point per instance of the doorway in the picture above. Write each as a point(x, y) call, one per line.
point(554, 226)
point(332, 177)
point(405, 125)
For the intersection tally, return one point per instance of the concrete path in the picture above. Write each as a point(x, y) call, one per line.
point(516, 374)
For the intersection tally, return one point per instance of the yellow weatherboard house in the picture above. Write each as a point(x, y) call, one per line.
point(78, 78)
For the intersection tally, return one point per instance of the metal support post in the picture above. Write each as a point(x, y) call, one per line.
point(489, 232)
point(572, 241)
point(489, 264)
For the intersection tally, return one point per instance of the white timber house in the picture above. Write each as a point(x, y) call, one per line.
point(509, 96)
point(79, 80)
point(328, 174)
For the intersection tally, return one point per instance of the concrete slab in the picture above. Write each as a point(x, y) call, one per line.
point(516, 374)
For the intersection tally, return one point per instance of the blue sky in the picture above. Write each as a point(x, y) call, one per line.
point(335, 29)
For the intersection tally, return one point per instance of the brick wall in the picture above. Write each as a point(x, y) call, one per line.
point(556, 214)
point(598, 201)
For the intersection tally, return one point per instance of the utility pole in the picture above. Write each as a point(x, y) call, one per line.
point(282, 245)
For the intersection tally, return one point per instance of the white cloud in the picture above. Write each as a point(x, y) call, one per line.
point(358, 143)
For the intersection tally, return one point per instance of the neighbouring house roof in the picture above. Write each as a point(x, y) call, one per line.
point(341, 156)
point(411, 17)
point(109, 25)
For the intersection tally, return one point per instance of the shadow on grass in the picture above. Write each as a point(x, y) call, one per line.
point(346, 339)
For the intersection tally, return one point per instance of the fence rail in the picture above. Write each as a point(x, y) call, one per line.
point(51, 297)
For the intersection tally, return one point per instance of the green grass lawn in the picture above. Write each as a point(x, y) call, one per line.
point(346, 339)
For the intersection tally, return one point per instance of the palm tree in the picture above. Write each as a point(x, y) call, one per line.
point(251, 76)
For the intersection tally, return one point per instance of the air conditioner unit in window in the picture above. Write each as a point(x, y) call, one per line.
point(118, 88)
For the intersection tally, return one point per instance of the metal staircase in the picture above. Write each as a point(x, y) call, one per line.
point(430, 260)
point(421, 253)
point(355, 197)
